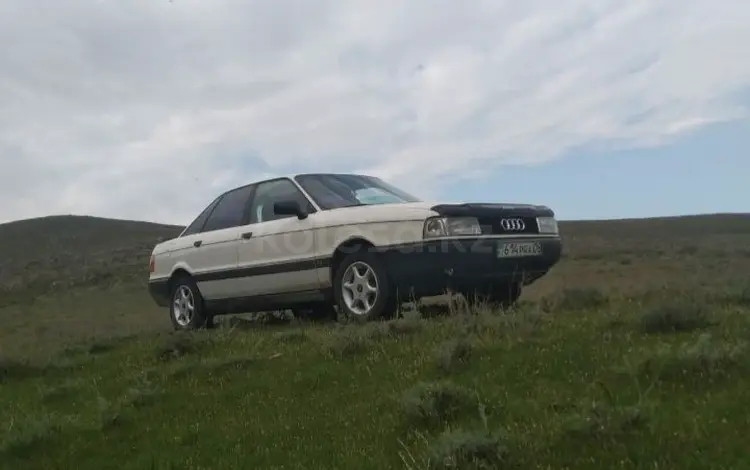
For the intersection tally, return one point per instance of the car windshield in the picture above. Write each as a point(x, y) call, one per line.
point(331, 191)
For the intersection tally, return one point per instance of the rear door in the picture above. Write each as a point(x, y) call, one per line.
point(181, 250)
point(214, 249)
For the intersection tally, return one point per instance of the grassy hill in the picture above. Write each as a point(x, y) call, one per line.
point(632, 353)
point(60, 252)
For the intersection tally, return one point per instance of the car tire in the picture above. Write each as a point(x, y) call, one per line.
point(186, 308)
point(350, 301)
point(504, 295)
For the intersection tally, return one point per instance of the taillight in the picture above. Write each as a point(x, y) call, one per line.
point(152, 264)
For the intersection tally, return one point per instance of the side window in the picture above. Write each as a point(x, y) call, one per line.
point(229, 211)
point(197, 224)
point(273, 191)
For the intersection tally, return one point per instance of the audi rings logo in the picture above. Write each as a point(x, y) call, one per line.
point(512, 225)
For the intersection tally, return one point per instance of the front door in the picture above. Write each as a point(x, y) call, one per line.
point(276, 252)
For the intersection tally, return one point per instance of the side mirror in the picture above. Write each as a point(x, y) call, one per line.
point(289, 207)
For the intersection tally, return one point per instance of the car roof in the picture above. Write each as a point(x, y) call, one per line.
point(292, 176)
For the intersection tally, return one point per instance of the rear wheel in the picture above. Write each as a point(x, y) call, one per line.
point(186, 310)
point(362, 288)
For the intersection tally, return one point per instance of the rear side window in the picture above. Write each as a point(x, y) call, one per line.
point(197, 224)
point(230, 209)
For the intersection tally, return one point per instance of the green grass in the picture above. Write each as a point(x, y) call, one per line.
point(604, 364)
point(563, 389)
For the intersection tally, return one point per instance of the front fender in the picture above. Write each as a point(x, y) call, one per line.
point(378, 234)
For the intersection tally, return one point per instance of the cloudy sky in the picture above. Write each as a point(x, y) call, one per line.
point(145, 109)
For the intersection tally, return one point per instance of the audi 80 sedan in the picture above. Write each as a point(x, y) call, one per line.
point(345, 244)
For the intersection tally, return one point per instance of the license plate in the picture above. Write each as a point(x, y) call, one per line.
point(518, 249)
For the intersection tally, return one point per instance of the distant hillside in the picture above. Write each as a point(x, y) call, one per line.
point(687, 225)
point(64, 251)
point(658, 236)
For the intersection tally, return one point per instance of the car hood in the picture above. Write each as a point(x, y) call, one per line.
point(382, 212)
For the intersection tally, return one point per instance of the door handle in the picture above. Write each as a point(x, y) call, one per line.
point(247, 235)
point(197, 243)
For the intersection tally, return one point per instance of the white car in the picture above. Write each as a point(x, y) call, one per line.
point(310, 242)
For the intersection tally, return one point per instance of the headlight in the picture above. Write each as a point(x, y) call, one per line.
point(451, 226)
point(434, 227)
point(547, 225)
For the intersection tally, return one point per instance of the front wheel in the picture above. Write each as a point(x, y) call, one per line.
point(187, 311)
point(362, 288)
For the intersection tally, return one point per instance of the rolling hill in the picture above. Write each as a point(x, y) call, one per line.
point(62, 252)
point(68, 251)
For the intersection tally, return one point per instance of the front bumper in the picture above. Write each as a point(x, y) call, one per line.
point(430, 267)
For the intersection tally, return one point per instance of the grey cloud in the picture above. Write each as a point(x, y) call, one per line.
point(115, 108)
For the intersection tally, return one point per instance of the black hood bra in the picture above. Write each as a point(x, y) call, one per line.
point(492, 210)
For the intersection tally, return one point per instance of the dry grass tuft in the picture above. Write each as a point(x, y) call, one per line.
point(13, 369)
point(602, 420)
point(61, 392)
point(695, 360)
point(291, 336)
point(468, 449)
point(410, 323)
point(675, 317)
point(575, 299)
point(434, 403)
point(350, 341)
point(180, 344)
point(229, 364)
point(26, 437)
point(453, 355)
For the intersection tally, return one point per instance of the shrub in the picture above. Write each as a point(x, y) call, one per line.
point(61, 391)
point(575, 299)
point(347, 342)
point(28, 436)
point(293, 336)
point(453, 355)
point(11, 369)
point(703, 357)
point(436, 402)
point(677, 317)
point(601, 420)
point(179, 344)
point(463, 449)
point(410, 323)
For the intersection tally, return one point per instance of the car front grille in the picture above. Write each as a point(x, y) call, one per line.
point(494, 226)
